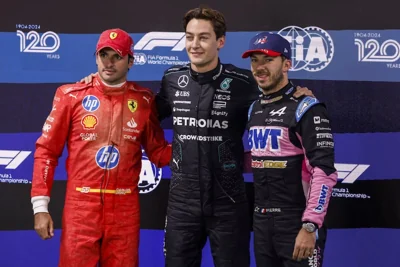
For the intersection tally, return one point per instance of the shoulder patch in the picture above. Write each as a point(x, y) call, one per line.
point(176, 69)
point(305, 105)
point(250, 110)
point(69, 88)
point(239, 73)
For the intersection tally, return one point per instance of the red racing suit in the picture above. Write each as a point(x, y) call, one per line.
point(104, 129)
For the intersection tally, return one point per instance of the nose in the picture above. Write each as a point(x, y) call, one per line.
point(195, 43)
point(260, 66)
point(108, 62)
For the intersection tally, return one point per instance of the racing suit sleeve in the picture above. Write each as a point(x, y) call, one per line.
point(49, 148)
point(163, 107)
point(157, 148)
point(314, 131)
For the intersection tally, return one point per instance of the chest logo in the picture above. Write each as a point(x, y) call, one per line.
point(89, 122)
point(226, 83)
point(132, 105)
point(183, 81)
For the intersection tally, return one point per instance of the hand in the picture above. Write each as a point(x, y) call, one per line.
point(44, 225)
point(304, 246)
point(88, 79)
point(302, 91)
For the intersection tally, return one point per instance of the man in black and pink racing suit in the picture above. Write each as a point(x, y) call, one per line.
point(292, 159)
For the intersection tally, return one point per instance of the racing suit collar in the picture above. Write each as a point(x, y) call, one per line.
point(206, 77)
point(107, 89)
point(287, 89)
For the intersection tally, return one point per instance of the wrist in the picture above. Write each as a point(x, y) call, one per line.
point(310, 226)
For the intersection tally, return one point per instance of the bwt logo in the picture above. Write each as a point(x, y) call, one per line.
point(150, 40)
point(322, 199)
point(260, 137)
point(37, 43)
point(13, 158)
point(350, 172)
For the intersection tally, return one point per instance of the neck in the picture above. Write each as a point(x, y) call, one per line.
point(205, 68)
point(117, 84)
point(277, 87)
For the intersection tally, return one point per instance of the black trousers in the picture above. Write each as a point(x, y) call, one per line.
point(275, 236)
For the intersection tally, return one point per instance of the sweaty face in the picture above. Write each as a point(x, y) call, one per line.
point(112, 67)
point(269, 71)
point(202, 44)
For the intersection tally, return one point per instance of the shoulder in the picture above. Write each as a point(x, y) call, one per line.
point(140, 93)
point(238, 73)
point(305, 103)
point(71, 88)
point(176, 70)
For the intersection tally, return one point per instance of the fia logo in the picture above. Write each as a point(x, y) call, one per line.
point(312, 47)
point(150, 175)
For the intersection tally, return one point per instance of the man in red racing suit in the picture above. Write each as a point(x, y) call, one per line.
point(105, 127)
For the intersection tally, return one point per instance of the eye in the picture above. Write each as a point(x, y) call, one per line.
point(189, 38)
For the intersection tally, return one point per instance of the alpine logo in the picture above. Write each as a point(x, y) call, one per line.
point(13, 158)
point(350, 172)
point(150, 40)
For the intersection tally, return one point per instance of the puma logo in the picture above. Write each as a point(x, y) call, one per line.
point(147, 99)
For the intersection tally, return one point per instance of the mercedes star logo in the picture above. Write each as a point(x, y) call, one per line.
point(183, 81)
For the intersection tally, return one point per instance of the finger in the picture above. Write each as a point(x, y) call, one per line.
point(43, 232)
point(298, 91)
point(51, 228)
point(301, 254)
point(310, 253)
point(295, 252)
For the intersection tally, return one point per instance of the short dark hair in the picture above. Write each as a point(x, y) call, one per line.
point(216, 18)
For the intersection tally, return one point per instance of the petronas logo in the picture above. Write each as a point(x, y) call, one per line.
point(226, 83)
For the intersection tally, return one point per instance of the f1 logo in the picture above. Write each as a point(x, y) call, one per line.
point(13, 158)
point(151, 40)
point(350, 172)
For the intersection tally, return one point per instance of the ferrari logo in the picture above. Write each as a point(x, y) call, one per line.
point(113, 35)
point(132, 105)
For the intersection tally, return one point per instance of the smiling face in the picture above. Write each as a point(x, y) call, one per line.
point(271, 73)
point(202, 45)
point(111, 67)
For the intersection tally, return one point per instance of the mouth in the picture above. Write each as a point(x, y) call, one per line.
point(196, 54)
point(262, 76)
point(109, 72)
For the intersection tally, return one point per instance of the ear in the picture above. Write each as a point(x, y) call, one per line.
point(221, 41)
point(130, 62)
point(287, 64)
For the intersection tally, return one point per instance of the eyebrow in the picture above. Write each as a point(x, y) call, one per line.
point(202, 33)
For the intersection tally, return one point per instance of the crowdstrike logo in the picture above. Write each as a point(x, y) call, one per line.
point(13, 158)
point(350, 172)
point(150, 40)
